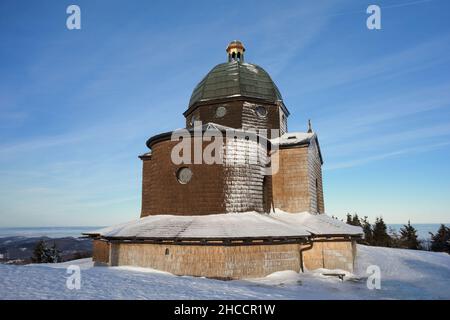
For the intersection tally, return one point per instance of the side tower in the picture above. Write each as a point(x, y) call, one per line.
point(297, 186)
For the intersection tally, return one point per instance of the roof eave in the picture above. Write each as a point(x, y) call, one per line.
point(207, 126)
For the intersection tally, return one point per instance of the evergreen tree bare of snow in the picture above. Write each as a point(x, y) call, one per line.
point(39, 253)
point(409, 238)
point(380, 236)
point(440, 241)
point(368, 232)
point(43, 254)
point(54, 254)
point(376, 235)
point(364, 224)
point(395, 241)
point(349, 219)
point(353, 220)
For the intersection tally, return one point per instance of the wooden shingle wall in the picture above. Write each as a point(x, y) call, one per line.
point(297, 186)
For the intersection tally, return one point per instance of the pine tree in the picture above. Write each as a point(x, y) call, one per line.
point(353, 220)
point(408, 237)
point(367, 229)
point(380, 236)
point(54, 255)
point(44, 254)
point(440, 241)
point(356, 221)
point(39, 252)
point(349, 218)
point(394, 238)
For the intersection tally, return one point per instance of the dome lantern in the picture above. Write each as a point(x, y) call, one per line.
point(235, 51)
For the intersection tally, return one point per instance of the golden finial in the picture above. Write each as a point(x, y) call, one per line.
point(235, 51)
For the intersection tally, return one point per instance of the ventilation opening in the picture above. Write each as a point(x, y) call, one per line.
point(166, 252)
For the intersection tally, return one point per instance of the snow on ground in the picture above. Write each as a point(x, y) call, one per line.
point(405, 274)
point(408, 273)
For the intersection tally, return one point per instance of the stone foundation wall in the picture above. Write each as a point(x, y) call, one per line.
point(232, 262)
point(330, 255)
point(223, 262)
point(100, 251)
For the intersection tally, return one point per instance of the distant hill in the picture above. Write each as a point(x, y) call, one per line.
point(19, 250)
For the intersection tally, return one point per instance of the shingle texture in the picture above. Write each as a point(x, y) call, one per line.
point(234, 79)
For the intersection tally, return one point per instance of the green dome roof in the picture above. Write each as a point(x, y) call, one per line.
point(236, 79)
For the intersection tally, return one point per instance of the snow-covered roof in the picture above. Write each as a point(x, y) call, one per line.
point(229, 225)
point(317, 224)
point(294, 138)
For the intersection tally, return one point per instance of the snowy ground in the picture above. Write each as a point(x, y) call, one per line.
point(405, 274)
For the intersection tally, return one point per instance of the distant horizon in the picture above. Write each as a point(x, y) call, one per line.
point(104, 226)
point(53, 232)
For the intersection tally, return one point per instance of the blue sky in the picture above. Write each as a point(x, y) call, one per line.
point(76, 107)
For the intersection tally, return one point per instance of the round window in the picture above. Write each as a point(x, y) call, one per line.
point(184, 175)
point(221, 112)
point(261, 111)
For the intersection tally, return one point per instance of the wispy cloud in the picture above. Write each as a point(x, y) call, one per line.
point(362, 116)
point(407, 4)
point(387, 141)
point(361, 161)
point(392, 64)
